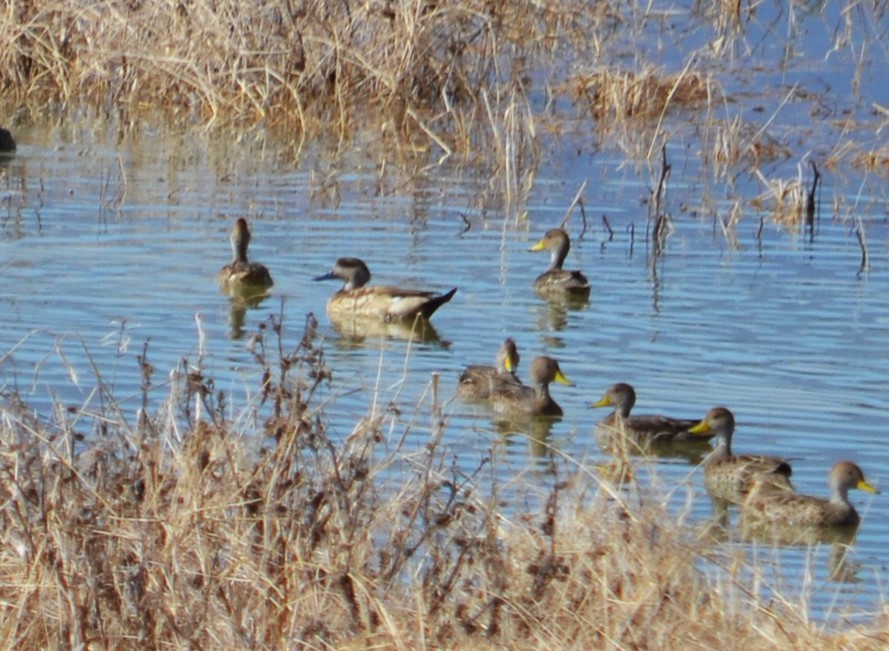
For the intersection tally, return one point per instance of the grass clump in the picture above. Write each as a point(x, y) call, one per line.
point(875, 161)
point(618, 95)
point(630, 108)
point(186, 529)
point(313, 67)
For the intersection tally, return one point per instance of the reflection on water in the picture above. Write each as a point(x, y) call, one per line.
point(534, 430)
point(553, 313)
point(777, 534)
point(355, 331)
point(239, 302)
point(784, 334)
point(691, 452)
point(778, 325)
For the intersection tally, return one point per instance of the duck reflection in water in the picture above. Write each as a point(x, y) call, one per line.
point(237, 315)
point(354, 331)
point(535, 431)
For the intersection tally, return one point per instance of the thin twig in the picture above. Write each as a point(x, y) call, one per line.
point(608, 228)
point(574, 202)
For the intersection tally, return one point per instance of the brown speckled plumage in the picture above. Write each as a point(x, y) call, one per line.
point(793, 509)
point(477, 382)
point(730, 476)
point(534, 399)
point(642, 429)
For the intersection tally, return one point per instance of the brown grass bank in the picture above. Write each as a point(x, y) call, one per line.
point(183, 529)
point(483, 79)
point(311, 66)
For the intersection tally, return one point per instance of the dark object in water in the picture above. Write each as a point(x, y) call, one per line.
point(810, 200)
point(7, 143)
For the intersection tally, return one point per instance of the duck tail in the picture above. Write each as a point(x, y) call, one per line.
point(433, 304)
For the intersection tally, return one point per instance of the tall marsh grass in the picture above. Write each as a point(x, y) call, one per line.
point(406, 67)
point(200, 523)
point(483, 81)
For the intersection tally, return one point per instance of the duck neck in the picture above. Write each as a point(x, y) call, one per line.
point(239, 248)
point(359, 278)
point(541, 390)
point(723, 447)
point(623, 410)
point(557, 259)
point(839, 494)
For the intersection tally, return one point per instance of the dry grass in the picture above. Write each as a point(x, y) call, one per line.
point(185, 529)
point(413, 69)
point(875, 161)
point(784, 199)
point(615, 96)
point(423, 79)
point(737, 145)
point(629, 108)
point(792, 203)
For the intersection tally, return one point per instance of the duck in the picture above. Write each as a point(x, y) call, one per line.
point(728, 476)
point(644, 429)
point(477, 382)
point(808, 511)
point(7, 142)
point(556, 281)
point(514, 399)
point(386, 303)
point(241, 274)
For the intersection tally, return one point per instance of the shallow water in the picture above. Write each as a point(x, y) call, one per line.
point(107, 245)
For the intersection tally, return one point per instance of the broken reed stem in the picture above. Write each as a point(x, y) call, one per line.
point(578, 199)
point(862, 242)
point(659, 233)
point(608, 228)
point(810, 197)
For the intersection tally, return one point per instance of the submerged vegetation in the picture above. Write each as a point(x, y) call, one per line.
point(187, 527)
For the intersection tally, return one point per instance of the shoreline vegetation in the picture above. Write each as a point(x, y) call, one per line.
point(212, 524)
point(181, 526)
point(446, 80)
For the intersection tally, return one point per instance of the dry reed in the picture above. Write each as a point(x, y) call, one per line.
point(428, 79)
point(186, 529)
point(414, 70)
